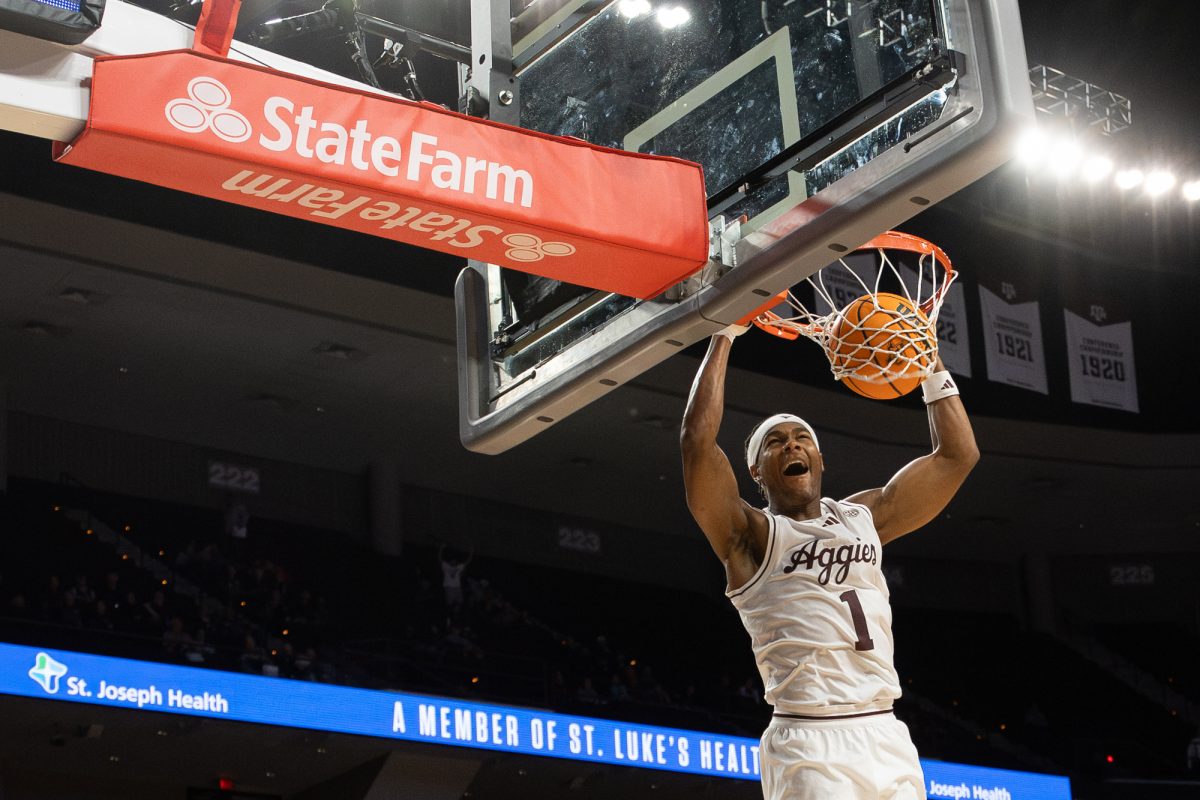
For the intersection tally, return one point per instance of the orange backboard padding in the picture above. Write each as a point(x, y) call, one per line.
point(413, 172)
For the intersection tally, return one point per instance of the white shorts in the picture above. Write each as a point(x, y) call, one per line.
point(861, 758)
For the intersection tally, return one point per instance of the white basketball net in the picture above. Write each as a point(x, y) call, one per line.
point(904, 347)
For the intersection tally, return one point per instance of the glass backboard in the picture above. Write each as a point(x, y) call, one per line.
point(819, 124)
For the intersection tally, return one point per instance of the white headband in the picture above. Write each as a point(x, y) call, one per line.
point(754, 445)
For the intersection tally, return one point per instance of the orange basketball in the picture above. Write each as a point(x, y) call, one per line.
point(876, 342)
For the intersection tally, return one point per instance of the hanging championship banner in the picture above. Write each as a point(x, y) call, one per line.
point(1013, 340)
point(841, 285)
point(954, 344)
point(1101, 359)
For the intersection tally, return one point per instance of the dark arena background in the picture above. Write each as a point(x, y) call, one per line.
point(244, 554)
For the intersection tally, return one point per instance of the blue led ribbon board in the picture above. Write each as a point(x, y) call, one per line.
point(65, 5)
point(62, 21)
point(121, 683)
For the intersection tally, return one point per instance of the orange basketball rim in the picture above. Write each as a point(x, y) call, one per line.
point(863, 351)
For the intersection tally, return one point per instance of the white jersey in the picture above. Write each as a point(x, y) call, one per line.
point(818, 616)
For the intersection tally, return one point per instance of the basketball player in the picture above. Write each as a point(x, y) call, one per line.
point(804, 574)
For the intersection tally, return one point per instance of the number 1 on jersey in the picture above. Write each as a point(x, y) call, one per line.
point(864, 642)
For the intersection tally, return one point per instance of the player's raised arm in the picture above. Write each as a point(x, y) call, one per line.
point(922, 488)
point(736, 531)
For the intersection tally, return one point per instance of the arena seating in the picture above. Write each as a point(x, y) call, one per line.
point(1158, 648)
point(174, 586)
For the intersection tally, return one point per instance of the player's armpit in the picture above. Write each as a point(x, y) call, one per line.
point(748, 551)
point(919, 491)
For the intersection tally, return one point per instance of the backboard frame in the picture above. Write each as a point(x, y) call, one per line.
point(989, 106)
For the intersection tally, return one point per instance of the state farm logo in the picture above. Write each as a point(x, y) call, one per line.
point(329, 203)
point(207, 108)
point(341, 135)
point(527, 248)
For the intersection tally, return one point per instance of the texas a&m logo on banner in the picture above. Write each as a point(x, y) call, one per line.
point(1100, 357)
point(1012, 333)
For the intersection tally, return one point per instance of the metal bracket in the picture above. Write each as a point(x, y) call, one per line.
point(723, 239)
point(495, 91)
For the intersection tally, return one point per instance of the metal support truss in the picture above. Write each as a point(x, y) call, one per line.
point(1056, 94)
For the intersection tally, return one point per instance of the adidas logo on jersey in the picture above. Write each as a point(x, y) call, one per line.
point(829, 521)
point(826, 559)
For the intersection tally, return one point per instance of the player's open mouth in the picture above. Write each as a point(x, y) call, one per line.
point(796, 468)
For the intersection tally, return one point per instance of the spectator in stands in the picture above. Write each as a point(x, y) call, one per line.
point(1034, 716)
point(1193, 754)
point(110, 592)
point(452, 577)
point(197, 650)
point(587, 693)
point(629, 675)
point(98, 618)
point(304, 665)
point(17, 606)
point(726, 694)
point(459, 639)
point(68, 612)
point(477, 592)
point(127, 613)
point(749, 694)
point(252, 657)
point(85, 595)
point(237, 525)
point(175, 638)
point(274, 615)
point(51, 599)
point(229, 584)
point(618, 692)
point(209, 565)
point(305, 611)
point(651, 690)
point(155, 614)
point(556, 691)
point(186, 557)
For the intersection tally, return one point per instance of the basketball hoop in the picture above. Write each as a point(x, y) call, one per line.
point(878, 329)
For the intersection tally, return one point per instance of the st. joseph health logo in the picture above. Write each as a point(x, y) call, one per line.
point(47, 672)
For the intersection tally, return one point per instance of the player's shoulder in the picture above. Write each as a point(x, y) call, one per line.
point(852, 507)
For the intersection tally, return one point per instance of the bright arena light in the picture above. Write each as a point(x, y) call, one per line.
point(672, 16)
point(1129, 179)
point(632, 9)
point(1065, 157)
point(1158, 182)
point(1096, 168)
point(1031, 147)
point(1052, 152)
